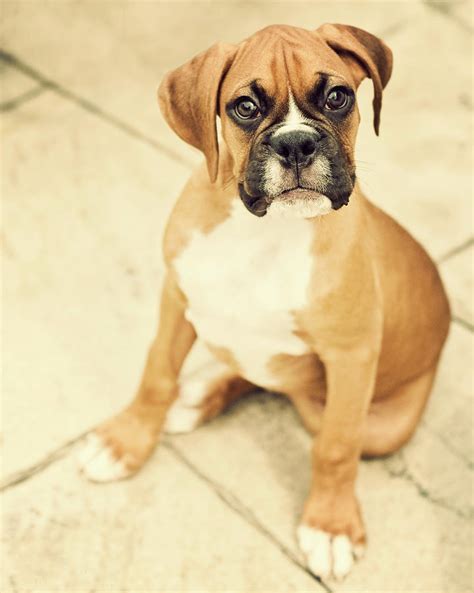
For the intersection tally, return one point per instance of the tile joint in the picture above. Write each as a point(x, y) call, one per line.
point(236, 505)
point(403, 472)
point(91, 107)
point(463, 323)
point(19, 100)
point(444, 8)
point(440, 436)
point(24, 475)
point(456, 250)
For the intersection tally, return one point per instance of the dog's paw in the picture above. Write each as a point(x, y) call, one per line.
point(117, 448)
point(327, 555)
point(332, 533)
point(98, 462)
point(189, 410)
point(182, 418)
point(186, 412)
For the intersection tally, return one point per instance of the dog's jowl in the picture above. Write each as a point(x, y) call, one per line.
point(291, 277)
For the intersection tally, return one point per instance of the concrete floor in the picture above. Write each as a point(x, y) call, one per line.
point(89, 172)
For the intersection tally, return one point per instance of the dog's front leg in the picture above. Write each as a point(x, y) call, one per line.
point(332, 531)
point(121, 445)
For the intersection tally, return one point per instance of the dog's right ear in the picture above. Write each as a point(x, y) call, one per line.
point(189, 96)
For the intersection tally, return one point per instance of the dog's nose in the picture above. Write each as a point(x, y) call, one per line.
point(296, 146)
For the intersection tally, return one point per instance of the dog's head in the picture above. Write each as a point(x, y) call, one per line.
point(287, 102)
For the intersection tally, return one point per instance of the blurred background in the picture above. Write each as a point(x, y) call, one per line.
point(89, 172)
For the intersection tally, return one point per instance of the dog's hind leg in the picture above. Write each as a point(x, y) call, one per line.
point(392, 421)
point(203, 395)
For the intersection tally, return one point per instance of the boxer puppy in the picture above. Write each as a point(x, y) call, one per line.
point(293, 279)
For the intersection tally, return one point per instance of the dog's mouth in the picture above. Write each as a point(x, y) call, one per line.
point(298, 193)
point(258, 205)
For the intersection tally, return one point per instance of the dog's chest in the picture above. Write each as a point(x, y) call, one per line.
point(243, 281)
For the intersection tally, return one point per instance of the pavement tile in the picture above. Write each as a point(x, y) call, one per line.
point(463, 11)
point(457, 275)
point(439, 458)
point(459, 10)
point(266, 465)
point(419, 169)
point(130, 45)
point(13, 84)
point(415, 545)
point(449, 411)
point(165, 530)
point(84, 209)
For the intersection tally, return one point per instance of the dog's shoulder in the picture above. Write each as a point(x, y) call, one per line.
point(197, 209)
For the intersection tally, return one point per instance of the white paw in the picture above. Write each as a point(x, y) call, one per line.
point(97, 462)
point(186, 412)
point(326, 554)
point(181, 418)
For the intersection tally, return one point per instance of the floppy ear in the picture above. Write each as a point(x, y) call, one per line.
point(188, 98)
point(367, 56)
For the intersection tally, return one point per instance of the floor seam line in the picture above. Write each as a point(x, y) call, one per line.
point(456, 250)
point(437, 7)
point(405, 474)
point(23, 475)
point(92, 108)
point(467, 462)
point(20, 100)
point(463, 323)
point(236, 505)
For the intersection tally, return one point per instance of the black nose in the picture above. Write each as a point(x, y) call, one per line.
point(297, 146)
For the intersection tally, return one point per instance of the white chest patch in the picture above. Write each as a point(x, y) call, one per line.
point(243, 280)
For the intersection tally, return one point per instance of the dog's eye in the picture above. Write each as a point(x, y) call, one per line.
point(246, 108)
point(337, 99)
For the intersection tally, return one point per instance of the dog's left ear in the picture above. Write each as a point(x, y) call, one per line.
point(367, 56)
point(189, 96)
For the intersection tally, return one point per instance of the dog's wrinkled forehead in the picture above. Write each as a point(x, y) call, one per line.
point(289, 59)
point(278, 57)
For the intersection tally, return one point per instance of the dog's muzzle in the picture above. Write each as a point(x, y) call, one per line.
point(286, 161)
